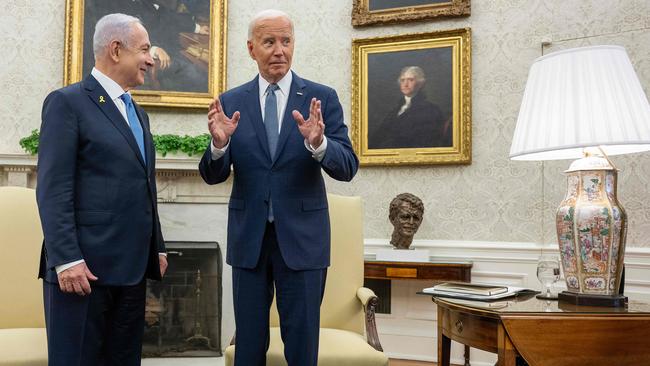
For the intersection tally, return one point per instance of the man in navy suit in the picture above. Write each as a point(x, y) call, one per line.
point(277, 132)
point(96, 195)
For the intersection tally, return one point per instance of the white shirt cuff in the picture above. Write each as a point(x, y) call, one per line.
point(197, 27)
point(216, 152)
point(63, 267)
point(319, 153)
point(163, 254)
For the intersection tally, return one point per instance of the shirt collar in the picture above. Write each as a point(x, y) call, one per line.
point(407, 99)
point(284, 84)
point(113, 89)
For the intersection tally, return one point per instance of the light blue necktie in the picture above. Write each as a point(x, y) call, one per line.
point(271, 124)
point(134, 123)
point(271, 118)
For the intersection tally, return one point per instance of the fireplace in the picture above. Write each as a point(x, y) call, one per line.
point(183, 312)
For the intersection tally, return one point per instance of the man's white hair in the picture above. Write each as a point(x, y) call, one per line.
point(112, 27)
point(416, 71)
point(266, 14)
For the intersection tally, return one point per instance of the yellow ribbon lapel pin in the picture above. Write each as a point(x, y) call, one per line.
point(101, 99)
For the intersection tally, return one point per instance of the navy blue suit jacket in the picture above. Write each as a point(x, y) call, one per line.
point(96, 196)
point(293, 180)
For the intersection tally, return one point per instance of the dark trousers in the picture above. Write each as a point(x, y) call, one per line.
point(299, 295)
point(101, 329)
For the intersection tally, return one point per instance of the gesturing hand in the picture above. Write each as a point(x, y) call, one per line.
point(313, 128)
point(75, 279)
point(220, 126)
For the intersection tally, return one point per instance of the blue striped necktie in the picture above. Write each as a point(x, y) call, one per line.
point(271, 124)
point(134, 123)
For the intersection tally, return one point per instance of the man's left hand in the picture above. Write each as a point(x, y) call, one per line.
point(313, 128)
point(162, 259)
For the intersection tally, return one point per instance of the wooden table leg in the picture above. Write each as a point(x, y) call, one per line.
point(444, 343)
point(507, 352)
point(467, 356)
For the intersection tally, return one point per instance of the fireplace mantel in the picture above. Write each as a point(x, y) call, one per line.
point(177, 177)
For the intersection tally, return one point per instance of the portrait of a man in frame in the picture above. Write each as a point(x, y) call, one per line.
point(410, 99)
point(179, 31)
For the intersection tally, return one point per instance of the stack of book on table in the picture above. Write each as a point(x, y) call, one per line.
point(473, 291)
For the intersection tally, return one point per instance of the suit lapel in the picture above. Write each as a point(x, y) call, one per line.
point(255, 113)
point(99, 96)
point(297, 96)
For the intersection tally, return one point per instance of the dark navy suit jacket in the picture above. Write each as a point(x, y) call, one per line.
point(96, 196)
point(293, 180)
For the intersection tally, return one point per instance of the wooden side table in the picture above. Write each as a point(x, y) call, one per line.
point(432, 271)
point(546, 333)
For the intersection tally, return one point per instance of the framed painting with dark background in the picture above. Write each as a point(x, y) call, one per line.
point(428, 122)
point(367, 12)
point(188, 39)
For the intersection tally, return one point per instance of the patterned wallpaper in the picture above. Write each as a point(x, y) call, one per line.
point(493, 199)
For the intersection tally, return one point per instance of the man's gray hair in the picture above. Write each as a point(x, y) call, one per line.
point(267, 14)
point(111, 27)
point(416, 71)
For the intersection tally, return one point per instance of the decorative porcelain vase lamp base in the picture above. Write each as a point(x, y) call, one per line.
point(586, 103)
point(591, 231)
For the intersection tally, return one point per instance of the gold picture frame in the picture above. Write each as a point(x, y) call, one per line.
point(197, 56)
point(435, 127)
point(367, 12)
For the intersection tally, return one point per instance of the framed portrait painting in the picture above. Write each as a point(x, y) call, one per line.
point(188, 45)
point(411, 98)
point(367, 12)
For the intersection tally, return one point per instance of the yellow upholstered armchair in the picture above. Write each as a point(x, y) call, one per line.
point(348, 335)
point(22, 326)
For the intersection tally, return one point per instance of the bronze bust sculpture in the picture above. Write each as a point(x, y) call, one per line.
point(405, 213)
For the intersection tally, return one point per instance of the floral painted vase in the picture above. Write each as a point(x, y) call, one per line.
point(591, 228)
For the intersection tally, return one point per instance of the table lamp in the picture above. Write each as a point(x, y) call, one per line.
point(587, 104)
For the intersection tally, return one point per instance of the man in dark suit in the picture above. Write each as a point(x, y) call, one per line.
point(278, 222)
point(96, 195)
point(414, 122)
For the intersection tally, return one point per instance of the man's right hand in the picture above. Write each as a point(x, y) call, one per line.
point(220, 126)
point(75, 279)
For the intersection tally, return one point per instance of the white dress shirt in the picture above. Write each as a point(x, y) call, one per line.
point(114, 91)
point(282, 98)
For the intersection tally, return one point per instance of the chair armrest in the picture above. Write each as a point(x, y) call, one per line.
point(369, 301)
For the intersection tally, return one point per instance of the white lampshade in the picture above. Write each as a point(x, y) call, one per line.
point(581, 97)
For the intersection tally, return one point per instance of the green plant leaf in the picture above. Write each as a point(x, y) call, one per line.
point(165, 144)
point(30, 143)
